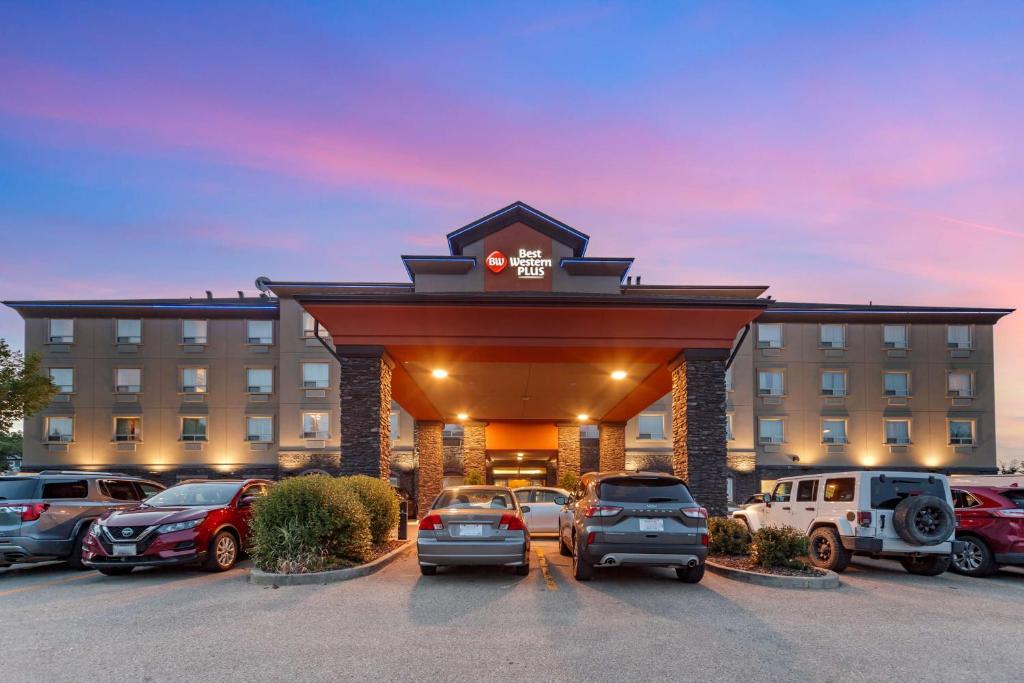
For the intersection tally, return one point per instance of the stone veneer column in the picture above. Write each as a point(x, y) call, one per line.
point(428, 438)
point(474, 448)
point(698, 425)
point(365, 411)
point(612, 445)
point(568, 451)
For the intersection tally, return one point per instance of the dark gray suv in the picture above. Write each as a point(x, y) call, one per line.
point(649, 519)
point(45, 516)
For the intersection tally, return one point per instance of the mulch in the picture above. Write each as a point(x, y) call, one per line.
point(745, 563)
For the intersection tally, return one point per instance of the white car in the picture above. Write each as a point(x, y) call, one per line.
point(907, 516)
point(542, 515)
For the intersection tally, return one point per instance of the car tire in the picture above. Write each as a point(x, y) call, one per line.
point(826, 550)
point(690, 574)
point(929, 565)
point(222, 554)
point(115, 571)
point(563, 549)
point(581, 569)
point(428, 569)
point(923, 520)
point(75, 558)
point(976, 560)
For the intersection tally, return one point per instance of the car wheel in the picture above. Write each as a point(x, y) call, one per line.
point(428, 569)
point(975, 560)
point(75, 558)
point(223, 553)
point(826, 550)
point(929, 565)
point(115, 571)
point(581, 569)
point(563, 549)
point(690, 574)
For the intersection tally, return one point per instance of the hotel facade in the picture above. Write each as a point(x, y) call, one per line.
point(518, 357)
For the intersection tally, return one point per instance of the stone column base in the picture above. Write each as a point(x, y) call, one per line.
point(428, 437)
point(612, 446)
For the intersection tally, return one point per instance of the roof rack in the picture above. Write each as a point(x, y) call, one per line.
point(79, 473)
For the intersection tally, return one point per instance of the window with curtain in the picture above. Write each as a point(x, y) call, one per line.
point(315, 425)
point(650, 426)
point(259, 332)
point(770, 383)
point(770, 430)
point(193, 380)
point(62, 331)
point(308, 326)
point(897, 431)
point(833, 431)
point(960, 383)
point(129, 331)
point(193, 429)
point(833, 336)
point(897, 384)
point(63, 379)
point(193, 331)
point(769, 336)
point(958, 336)
point(259, 380)
point(961, 432)
point(60, 429)
point(894, 336)
point(315, 375)
point(833, 383)
point(260, 429)
point(128, 380)
point(127, 428)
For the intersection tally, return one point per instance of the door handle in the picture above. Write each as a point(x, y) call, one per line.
point(785, 507)
point(809, 509)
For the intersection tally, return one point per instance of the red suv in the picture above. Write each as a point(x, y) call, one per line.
point(990, 522)
point(196, 522)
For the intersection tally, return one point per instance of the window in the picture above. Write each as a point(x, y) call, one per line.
point(193, 380)
point(897, 383)
point(589, 432)
point(728, 379)
point(149, 489)
point(631, 490)
point(897, 432)
point(523, 496)
point(650, 426)
point(783, 491)
point(769, 336)
point(128, 331)
point(128, 380)
point(771, 430)
point(259, 380)
point(63, 379)
point(65, 489)
point(308, 326)
point(895, 336)
point(316, 375)
point(315, 425)
point(807, 491)
point(193, 429)
point(62, 331)
point(259, 332)
point(770, 383)
point(128, 429)
point(833, 431)
point(395, 422)
point(960, 383)
point(730, 489)
point(839, 490)
point(961, 432)
point(958, 336)
point(259, 429)
point(119, 490)
point(963, 499)
point(193, 331)
point(833, 336)
point(833, 383)
point(453, 431)
point(728, 427)
point(60, 429)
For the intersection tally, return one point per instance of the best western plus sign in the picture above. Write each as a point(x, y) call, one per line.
point(496, 261)
point(530, 264)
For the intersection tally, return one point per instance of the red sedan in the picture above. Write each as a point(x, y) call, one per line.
point(197, 522)
point(990, 522)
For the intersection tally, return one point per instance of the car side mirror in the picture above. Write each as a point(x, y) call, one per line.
point(524, 508)
point(561, 500)
point(247, 501)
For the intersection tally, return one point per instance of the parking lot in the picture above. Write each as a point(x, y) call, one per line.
point(473, 624)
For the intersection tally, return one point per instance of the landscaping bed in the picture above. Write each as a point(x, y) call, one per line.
point(746, 564)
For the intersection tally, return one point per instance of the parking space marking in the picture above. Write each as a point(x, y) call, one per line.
point(47, 584)
point(549, 582)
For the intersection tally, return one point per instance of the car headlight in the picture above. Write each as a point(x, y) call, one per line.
point(179, 526)
point(96, 529)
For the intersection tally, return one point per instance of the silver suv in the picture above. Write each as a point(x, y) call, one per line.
point(45, 516)
point(649, 519)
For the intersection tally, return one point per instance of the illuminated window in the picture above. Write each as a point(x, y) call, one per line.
point(316, 425)
point(193, 380)
point(897, 432)
point(127, 429)
point(60, 429)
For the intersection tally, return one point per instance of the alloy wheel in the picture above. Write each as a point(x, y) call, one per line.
point(226, 551)
point(823, 549)
point(927, 520)
point(970, 559)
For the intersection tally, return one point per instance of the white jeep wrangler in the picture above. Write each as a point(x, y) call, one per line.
point(903, 515)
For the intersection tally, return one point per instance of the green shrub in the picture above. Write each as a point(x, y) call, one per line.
point(568, 481)
point(381, 503)
point(308, 524)
point(727, 536)
point(474, 478)
point(781, 546)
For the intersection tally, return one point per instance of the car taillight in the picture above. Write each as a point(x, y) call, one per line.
point(603, 510)
point(431, 523)
point(32, 512)
point(864, 517)
point(1016, 513)
point(704, 540)
point(695, 513)
point(511, 523)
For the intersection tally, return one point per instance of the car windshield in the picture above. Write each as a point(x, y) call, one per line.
point(480, 499)
point(638, 490)
point(195, 494)
point(19, 488)
point(1016, 496)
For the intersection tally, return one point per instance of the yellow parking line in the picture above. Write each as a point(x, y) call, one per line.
point(549, 582)
point(46, 584)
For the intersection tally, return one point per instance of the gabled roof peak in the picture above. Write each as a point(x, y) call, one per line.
point(518, 212)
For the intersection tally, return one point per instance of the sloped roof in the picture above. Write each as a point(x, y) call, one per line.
point(518, 212)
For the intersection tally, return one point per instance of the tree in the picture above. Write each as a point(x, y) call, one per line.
point(24, 391)
point(10, 445)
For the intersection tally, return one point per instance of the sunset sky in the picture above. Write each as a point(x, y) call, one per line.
point(840, 152)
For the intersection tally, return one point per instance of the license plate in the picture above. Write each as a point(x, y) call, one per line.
point(652, 524)
point(471, 530)
point(124, 549)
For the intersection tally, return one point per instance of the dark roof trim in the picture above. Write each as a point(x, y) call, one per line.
point(607, 267)
point(150, 308)
point(801, 312)
point(521, 212)
point(528, 299)
point(438, 265)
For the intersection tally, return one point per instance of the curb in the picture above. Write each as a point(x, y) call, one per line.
point(262, 578)
point(830, 580)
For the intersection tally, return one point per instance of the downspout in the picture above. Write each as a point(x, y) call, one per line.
point(732, 356)
point(316, 333)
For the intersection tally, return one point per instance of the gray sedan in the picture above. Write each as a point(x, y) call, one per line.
point(474, 525)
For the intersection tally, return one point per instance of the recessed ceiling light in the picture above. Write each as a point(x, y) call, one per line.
point(619, 374)
point(462, 416)
point(582, 417)
point(439, 373)
point(519, 456)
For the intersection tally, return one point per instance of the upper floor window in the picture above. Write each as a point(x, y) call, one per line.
point(897, 432)
point(259, 332)
point(259, 380)
point(62, 331)
point(771, 430)
point(589, 432)
point(961, 432)
point(63, 379)
point(259, 429)
point(958, 336)
point(771, 382)
point(395, 425)
point(895, 336)
point(193, 331)
point(833, 336)
point(728, 427)
point(833, 431)
point(769, 336)
point(128, 380)
point(960, 383)
point(650, 426)
point(127, 429)
point(309, 326)
point(453, 431)
point(316, 375)
point(128, 331)
point(193, 429)
point(193, 380)
point(315, 425)
point(60, 429)
point(728, 379)
point(897, 383)
point(833, 383)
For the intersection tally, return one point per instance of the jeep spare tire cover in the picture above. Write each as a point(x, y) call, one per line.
point(923, 520)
